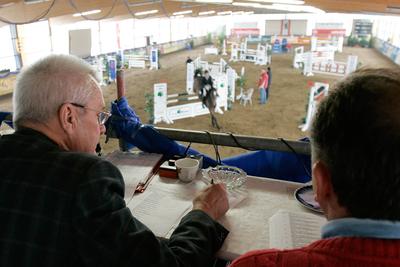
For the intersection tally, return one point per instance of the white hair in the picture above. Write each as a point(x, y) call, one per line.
point(44, 86)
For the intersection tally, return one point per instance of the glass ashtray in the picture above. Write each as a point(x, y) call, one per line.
point(232, 177)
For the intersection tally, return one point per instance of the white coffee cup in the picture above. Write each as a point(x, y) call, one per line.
point(187, 169)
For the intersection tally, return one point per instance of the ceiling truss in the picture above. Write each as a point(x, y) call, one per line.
point(20, 11)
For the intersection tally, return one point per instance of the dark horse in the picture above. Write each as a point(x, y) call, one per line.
point(208, 97)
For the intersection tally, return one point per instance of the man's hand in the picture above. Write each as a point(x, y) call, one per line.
point(213, 200)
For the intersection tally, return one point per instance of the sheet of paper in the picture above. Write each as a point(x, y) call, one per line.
point(288, 229)
point(159, 210)
point(236, 196)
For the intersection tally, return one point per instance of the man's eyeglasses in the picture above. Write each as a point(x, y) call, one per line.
point(102, 116)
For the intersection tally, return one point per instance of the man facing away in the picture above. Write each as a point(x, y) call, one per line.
point(61, 205)
point(356, 177)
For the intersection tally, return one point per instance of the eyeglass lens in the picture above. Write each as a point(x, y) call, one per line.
point(103, 117)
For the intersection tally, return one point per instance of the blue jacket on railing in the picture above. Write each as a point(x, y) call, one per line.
point(126, 125)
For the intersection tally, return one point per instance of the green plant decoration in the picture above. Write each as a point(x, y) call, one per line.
point(241, 81)
point(149, 107)
point(364, 42)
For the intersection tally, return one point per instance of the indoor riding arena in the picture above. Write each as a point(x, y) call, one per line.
point(201, 133)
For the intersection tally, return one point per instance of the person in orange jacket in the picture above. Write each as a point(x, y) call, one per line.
point(263, 85)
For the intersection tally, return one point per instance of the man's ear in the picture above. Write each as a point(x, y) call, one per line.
point(67, 117)
point(322, 182)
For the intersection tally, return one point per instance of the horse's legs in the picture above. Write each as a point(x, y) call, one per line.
point(214, 121)
point(210, 102)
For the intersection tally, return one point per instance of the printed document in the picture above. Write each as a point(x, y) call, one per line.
point(288, 229)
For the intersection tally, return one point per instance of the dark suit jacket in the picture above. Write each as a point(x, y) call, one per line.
point(205, 81)
point(60, 208)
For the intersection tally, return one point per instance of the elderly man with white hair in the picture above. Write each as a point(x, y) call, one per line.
point(61, 205)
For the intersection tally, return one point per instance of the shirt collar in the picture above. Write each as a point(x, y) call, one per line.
point(354, 227)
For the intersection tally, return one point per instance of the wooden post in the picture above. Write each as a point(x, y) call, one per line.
point(123, 146)
point(120, 84)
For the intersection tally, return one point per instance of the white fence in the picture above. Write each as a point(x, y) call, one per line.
point(259, 56)
point(165, 113)
point(223, 75)
point(323, 62)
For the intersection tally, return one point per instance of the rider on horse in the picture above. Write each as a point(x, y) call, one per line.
point(206, 86)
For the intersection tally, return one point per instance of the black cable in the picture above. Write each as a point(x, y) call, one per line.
point(164, 9)
point(187, 149)
point(217, 156)
point(98, 149)
point(2, 19)
point(301, 161)
point(129, 8)
point(240, 145)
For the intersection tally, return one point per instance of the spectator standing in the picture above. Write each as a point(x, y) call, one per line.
point(262, 86)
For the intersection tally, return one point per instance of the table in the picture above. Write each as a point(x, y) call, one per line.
point(247, 221)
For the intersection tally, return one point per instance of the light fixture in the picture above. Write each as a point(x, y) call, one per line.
point(225, 13)
point(206, 13)
point(238, 13)
point(256, 5)
point(214, 1)
point(146, 2)
point(182, 12)
point(177, 17)
point(30, 2)
point(90, 12)
point(291, 2)
point(249, 13)
point(298, 8)
point(283, 7)
point(146, 12)
point(7, 4)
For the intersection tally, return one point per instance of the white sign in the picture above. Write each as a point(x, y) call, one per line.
point(189, 77)
point(160, 102)
point(154, 58)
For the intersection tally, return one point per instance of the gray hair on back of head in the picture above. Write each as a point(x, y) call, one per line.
point(44, 86)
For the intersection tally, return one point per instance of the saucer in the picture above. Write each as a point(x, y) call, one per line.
point(305, 196)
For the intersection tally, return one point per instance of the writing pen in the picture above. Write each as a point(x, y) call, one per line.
point(144, 183)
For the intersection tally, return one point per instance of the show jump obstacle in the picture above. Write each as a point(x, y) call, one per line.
point(165, 113)
point(259, 56)
point(224, 77)
point(317, 92)
point(322, 62)
point(224, 80)
point(139, 61)
point(327, 39)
